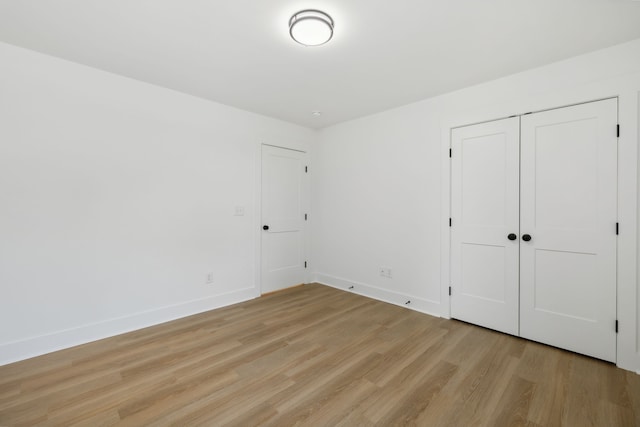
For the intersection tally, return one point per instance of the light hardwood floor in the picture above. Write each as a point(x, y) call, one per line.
point(317, 356)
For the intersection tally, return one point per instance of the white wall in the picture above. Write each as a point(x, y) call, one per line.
point(116, 199)
point(381, 184)
point(376, 202)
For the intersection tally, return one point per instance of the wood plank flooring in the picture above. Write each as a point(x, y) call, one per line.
point(316, 356)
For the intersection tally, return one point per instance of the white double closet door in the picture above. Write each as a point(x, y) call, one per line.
point(533, 232)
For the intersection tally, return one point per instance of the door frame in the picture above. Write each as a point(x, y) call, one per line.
point(257, 212)
point(628, 94)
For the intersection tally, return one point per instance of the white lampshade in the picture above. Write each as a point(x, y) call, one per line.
point(311, 27)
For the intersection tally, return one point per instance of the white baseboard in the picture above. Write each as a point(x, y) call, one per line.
point(418, 304)
point(36, 346)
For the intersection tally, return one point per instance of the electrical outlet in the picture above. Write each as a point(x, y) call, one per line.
point(209, 277)
point(385, 272)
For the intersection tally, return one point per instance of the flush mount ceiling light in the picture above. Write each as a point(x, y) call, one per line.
point(311, 27)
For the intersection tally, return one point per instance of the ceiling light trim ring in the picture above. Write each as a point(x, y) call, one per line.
point(311, 15)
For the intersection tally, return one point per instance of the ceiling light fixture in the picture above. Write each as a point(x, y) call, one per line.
point(311, 27)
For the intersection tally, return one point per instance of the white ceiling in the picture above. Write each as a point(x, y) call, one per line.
point(384, 53)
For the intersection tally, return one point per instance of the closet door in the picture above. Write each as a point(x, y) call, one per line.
point(568, 208)
point(484, 207)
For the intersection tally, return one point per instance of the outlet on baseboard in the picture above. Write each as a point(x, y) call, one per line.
point(386, 272)
point(209, 278)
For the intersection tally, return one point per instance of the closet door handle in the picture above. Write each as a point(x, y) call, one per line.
point(512, 236)
point(265, 227)
point(526, 237)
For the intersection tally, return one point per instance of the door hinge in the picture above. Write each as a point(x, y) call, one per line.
point(617, 228)
point(306, 169)
point(305, 264)
point(449, 290)
point(618, 131)
point(305, 217)
point(616, 326)
point(450, 222)
point(450, 152)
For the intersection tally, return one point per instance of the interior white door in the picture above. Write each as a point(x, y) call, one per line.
point(484, 209)
point(568, 208)
point(284, 199)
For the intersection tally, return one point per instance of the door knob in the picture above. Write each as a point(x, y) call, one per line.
point(526, 237)
point(265, 227)
point(512, 236)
